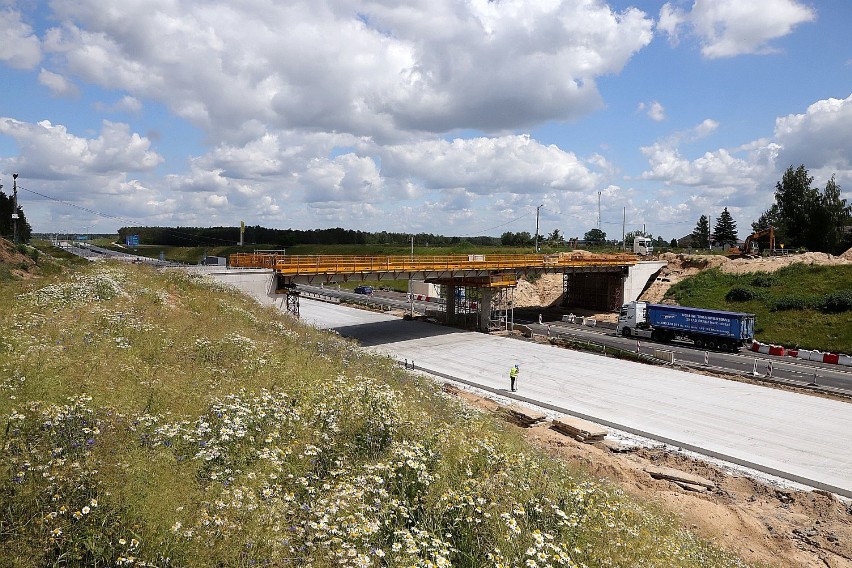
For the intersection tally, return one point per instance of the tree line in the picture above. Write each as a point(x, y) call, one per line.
point(283, 238)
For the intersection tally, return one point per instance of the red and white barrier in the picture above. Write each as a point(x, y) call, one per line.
point(803, 354)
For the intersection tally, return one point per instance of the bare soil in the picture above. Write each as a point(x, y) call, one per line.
point(761, 523)
point(19, 265)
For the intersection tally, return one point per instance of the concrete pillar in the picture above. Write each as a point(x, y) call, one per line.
point(485, 309)
point(451, 303)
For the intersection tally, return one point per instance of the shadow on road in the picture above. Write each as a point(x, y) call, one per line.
point(394, 331)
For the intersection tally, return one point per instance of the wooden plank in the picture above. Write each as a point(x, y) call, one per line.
point(677, 476)
point(579, 429)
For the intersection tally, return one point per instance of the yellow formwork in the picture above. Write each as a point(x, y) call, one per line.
point(345, 264)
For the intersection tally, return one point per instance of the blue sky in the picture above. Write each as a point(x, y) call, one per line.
point(437, 116)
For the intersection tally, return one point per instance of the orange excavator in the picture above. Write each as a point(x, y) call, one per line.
point(750, 246)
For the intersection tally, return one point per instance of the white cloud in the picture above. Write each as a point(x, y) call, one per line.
point(654, 110)
point(820, 138)
point(126, 103)
point(51, 152)
point(515, 164)
point(58, 85)
point(19, 47)
point(365, 68)
point(743, 178)
point(726, 28)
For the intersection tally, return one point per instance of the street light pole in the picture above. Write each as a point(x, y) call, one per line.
point(15, 208)
point(537, 209)
point(410, 295)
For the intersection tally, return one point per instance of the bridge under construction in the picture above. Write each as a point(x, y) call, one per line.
point(478, 284)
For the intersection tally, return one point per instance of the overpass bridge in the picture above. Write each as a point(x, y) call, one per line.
point(596, 280)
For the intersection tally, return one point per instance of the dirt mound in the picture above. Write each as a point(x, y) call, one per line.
point(544, 292)
point(847, 255)
point(18, 264)
point(773, 263)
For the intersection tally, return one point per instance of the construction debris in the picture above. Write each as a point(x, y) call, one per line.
point(525, 417)
point(681, 478)
point(579, 429)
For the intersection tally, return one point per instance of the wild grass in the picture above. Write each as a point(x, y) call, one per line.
point(156, 419)
point(800, 305)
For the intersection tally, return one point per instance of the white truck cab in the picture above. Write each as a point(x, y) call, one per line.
point(643, 246)
point(633, 320)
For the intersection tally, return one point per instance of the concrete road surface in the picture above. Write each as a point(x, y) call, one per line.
point(798, 437)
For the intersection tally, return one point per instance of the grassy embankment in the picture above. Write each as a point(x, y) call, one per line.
point(807, 306)
point(159, 419)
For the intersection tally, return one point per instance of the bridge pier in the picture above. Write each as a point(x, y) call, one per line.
point(485, 309)
point(450, 304)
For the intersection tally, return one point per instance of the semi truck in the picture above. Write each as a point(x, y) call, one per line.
point(643, 246)
point(710, 329)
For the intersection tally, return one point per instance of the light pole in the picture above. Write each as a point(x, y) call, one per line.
point(15, 208)
point(537, 209)
point(410, 295)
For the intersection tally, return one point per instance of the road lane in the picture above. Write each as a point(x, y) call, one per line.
point(798, 437)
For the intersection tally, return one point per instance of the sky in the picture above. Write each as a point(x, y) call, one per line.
point(449, 117)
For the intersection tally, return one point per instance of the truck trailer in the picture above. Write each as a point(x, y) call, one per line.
point(711, 329)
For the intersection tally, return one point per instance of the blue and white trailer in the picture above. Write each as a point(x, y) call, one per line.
point(711, 329)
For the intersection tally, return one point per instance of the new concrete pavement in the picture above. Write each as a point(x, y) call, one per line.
point(799, 437)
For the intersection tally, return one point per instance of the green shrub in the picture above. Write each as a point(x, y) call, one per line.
point(785, 303)
point(764, 280)
point(836, 302)
point(740, 295)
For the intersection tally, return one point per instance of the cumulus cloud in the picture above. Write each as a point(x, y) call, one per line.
point(821, 137)
point(726, 28)
point(51, 152)
point(19, 46)
point(516, 164)
point(365, 68)
point(654, 110)
point(58, 85)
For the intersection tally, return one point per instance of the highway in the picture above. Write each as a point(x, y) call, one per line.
point(794, 436)
point(785, 370)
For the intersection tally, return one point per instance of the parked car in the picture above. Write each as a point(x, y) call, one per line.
point(367, 290)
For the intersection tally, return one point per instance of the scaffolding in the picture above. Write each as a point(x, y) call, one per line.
point(502, 310)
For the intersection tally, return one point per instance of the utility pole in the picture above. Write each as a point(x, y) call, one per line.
point(15, 208)
point(537, 209)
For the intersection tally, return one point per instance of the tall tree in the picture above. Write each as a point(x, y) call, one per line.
point(803, 216)
point(796, 201)
point(701, 233)
point(555, 237)
point(836, 216)
point(595, 237)
point(7, 230)
point(725, 230)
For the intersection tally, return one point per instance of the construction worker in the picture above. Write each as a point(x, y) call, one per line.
point(513, 376)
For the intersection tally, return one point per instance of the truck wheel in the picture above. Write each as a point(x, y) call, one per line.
point(699, 343)
point(625, 332)
point(711, 344)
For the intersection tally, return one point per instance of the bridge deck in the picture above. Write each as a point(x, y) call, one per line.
point(338, 264)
